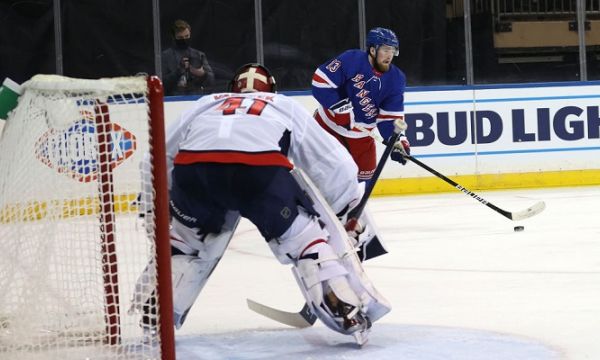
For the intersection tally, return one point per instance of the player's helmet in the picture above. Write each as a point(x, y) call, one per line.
point(382, 36)
point(252, 77)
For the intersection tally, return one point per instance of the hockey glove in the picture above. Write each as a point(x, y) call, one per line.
point(401, 148)
point(343, 106)
point(354, 228)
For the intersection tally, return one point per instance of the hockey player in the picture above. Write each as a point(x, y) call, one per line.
point(359, 91)
point(240, 154)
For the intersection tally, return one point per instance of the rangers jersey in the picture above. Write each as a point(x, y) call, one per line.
point(263, 129)
point(377, 98)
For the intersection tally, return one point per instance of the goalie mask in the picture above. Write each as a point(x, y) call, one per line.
point(251, 78)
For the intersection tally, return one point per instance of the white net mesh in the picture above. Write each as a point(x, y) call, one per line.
point(71, 245)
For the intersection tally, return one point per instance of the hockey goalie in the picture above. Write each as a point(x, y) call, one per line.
point(256, 154)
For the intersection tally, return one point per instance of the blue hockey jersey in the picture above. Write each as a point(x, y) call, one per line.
point(377, 98)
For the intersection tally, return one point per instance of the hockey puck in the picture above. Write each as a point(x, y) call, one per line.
point(519, 228)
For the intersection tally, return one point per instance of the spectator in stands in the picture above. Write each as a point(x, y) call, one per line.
point(185, 69)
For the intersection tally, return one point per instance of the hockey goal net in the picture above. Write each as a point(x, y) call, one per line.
point(71, 242)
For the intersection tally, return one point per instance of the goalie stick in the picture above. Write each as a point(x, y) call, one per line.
point(305, 317)
point(515, 216)
point(301, 319)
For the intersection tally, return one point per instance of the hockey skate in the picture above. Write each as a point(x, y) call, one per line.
point(351, 318)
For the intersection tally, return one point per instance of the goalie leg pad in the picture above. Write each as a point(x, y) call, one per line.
point(372, 304)
point(196, 257)
point(186, 240)
point(189, 274)
point(321, 275)
point(304, 229)
point(323, 280)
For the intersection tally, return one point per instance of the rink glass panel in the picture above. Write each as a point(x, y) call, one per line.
point(300, 36)
point(431, 39)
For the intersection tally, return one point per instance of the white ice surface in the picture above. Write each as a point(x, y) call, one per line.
point(462, 283)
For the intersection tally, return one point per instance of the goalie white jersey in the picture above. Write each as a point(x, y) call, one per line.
point(284, 124)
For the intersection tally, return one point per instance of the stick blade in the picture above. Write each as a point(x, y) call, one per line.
point(302, 319)
point(529, 212)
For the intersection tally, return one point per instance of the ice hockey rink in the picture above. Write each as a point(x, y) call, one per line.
point(463, 285)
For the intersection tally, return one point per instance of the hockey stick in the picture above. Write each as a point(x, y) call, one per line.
point(301, 319)
point(515, 216)
point(357, 211)
point(374, 248)
point(305, 317)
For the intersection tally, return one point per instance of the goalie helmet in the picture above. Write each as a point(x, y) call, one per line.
point(252, 77)
point(382, 36)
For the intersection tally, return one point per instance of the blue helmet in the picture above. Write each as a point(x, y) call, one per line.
point(382, 36)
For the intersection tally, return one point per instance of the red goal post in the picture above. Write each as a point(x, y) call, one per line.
point(74, 156)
